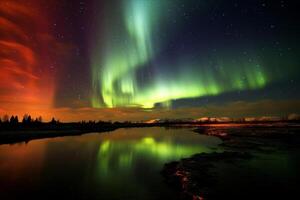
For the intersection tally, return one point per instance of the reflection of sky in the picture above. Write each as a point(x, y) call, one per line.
point(19, 163)
point(124, 154)
point(141, 157)
point(123, 164)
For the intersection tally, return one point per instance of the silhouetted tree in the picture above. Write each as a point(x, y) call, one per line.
point(53, 121)
point(14, 120)
point(38, 120)
point(26, 119)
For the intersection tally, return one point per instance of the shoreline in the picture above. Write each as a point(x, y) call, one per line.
point(206, 175)
point(196, 177)
point(23, 133)
point(16, 133)
point(13, 137)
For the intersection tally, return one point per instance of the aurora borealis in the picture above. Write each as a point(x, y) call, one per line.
point(115, 78)
point(25, 82)
point(123, 59)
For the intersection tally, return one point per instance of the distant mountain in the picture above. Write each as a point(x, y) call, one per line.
point(290, 117)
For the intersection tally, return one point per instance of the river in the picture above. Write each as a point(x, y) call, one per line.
point(123, 164)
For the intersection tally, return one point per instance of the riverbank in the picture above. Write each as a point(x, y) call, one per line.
point(256, 162)
point(11, 137)
point(19, 132)
point(15, 133)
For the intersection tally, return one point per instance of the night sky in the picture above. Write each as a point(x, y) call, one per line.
point(144, 59)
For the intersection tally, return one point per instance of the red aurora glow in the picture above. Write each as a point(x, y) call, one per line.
point(26, 80)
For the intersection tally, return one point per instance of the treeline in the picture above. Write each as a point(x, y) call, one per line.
point(13, 129)
point(28, 123)
point(27, 119)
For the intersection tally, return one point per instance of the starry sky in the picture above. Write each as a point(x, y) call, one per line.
point(145, 59)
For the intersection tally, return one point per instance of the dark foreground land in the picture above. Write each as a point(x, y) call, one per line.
point(256, 162)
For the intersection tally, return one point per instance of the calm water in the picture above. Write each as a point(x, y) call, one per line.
point(124, 164)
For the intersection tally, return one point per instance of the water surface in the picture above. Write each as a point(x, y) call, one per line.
point(124, 164)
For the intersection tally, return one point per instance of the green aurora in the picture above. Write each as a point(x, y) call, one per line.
point(131, 47)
